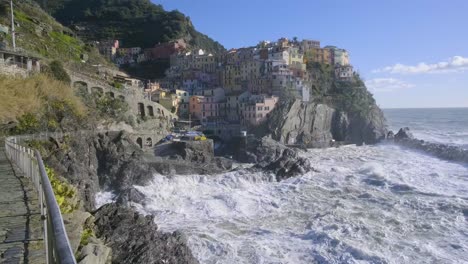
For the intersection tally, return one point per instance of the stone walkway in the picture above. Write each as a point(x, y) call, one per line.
point(21, 238)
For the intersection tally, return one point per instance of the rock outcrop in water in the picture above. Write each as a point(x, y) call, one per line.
point(272, 156)
point(135, 238)
point(317, 125)
point(188, 157)
point(405, 138)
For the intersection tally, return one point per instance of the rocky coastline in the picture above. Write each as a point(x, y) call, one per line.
point(111, 161)
point(405, 138)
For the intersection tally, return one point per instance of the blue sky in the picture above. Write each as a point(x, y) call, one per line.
point(412, 53)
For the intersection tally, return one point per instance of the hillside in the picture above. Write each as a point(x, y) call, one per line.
point(134, 22)
point(41, 35)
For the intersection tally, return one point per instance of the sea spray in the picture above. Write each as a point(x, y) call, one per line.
point(364, 205)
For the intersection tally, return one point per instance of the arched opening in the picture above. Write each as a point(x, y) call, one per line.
point(140, 142)
point(150, 110)
point(110, 94)
point(121, 98)
point(149, 142)
point(97, 91)
point(81, 87)
point(159, 111)
point(141, 109)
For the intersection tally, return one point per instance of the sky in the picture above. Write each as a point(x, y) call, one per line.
point(411, 53)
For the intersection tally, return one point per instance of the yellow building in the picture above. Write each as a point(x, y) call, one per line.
point(320, 55)
point(296, 59)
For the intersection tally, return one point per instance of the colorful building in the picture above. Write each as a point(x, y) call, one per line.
point(256, 109)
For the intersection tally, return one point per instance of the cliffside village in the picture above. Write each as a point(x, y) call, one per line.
point(226, 93)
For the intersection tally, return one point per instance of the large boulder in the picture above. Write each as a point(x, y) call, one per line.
point(404, 133)
point(192, 151)
point(188, 157)
point(135, 238)
point(272, 156)
point(289, 164)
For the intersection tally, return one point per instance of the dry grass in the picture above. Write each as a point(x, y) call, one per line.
point(20, 96)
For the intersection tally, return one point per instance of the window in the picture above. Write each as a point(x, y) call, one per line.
point(260, 108)
point(203, 114)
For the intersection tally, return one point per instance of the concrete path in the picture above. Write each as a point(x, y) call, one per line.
point(21, 239)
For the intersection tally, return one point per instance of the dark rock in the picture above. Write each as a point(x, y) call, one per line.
point(130, 195)
point(390, 135)
point(188, 157)
point(442, 151)
point(100, 161)
point(135, 238)
point(289, 165)
point(192, 151)
point(404, 133)
point(318, 125)
point(270, 155)
point(261, 151)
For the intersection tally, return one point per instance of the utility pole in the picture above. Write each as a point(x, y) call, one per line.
point(13, 34)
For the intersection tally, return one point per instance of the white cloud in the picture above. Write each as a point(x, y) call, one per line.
point(454, 64)
point(387, 84)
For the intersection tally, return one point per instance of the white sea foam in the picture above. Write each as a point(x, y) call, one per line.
point(103, 198)
point(367, 204)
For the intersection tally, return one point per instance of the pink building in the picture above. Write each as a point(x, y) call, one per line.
point(256, 109)
point(208, 105)
point(195, 106)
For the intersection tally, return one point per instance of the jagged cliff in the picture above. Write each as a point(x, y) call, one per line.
point(346, 112)
point(317, 124)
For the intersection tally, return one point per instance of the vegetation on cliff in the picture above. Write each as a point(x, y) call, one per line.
point(38, 103)
point(136, 22)
point(43, 103)
point(41, 35)
point(346, 96)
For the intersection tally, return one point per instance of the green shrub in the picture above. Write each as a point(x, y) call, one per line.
point(27, 123)
point(117, 85)
point(111, 107)
point(58, 72)
point(65, 193)
point(85, 236)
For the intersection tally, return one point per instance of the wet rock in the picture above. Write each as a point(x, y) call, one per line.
point(390, 135)
point(272, 156)
point(404, 133)
point(289, 165)
point(130, 195)
point(452, 153)
point(188, 157)
point(135, 238)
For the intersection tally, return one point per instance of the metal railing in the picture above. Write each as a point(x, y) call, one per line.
point(29, 161)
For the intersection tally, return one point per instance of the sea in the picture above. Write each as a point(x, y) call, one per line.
point(363, 204)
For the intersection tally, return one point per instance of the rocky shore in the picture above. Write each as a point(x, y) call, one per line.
point(405, 138)
point(113, 162)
